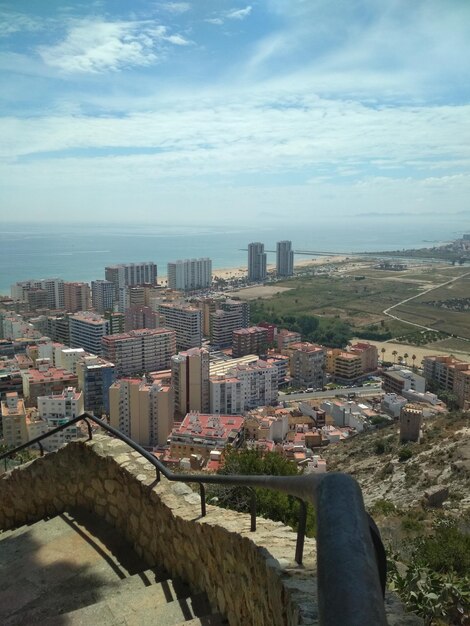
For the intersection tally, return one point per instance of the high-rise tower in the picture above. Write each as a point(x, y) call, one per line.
point(284, 258)
point(256, 261)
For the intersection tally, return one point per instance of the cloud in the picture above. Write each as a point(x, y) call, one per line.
point(214, 20)
point(177, 40)
point(177, 8)
point(93, 46)
point(11, 23)
point(239, 14)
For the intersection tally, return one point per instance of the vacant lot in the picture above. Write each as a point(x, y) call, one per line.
point(261, 291)
point(418, 351)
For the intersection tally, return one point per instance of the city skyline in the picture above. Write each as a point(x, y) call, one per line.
point(181, 108)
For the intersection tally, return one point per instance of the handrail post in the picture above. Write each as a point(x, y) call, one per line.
point(41, 449)
point(299, 547)
point(253, 510)
point(90, 432)
point(202, 491)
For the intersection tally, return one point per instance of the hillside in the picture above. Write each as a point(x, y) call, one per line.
point(442, 459)
point(428, 546)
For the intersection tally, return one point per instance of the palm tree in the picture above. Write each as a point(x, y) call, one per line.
point(395, 352)
point(413, 358)
point(383, 352)
point(405, 356)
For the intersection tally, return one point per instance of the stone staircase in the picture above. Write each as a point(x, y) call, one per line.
point(76, 569)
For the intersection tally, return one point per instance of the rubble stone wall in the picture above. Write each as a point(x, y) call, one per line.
point(251, 577)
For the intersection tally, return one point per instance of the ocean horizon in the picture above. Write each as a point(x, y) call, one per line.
point(80, 251)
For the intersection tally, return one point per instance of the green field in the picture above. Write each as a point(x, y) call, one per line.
point(359, 298)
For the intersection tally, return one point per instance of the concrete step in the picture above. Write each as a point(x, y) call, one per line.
point(75, 569)
point(140, 608)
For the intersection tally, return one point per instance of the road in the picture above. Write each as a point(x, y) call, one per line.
point(418, 295)
point(371, 390)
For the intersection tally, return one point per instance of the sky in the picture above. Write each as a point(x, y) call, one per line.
point(222, 111)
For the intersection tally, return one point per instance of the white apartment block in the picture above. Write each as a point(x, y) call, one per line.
point(56, 410)
point(86, 331)
point(186, 321)
point(142, 411)
point(130, 274)
point(256, 262)
point(190, 274)
point(102, 295)
point(139, 351)
point(244, 387)
point(53, 286)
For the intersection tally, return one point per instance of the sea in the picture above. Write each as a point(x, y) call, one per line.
point(80, 251)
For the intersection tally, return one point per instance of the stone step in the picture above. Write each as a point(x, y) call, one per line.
point(139, 608)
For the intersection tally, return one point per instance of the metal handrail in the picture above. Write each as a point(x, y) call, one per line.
point(351, 564)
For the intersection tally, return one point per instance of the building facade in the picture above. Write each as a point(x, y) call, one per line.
point(190, 274)
point(284, 258)
point(76, 297)
point(256, 262)
point(139, 351)
point(307, 365)
point(186, 321)
point(102, 295)
point(87, 330)
point(142, 411)
point(190, 381)
point(95, 376)
point(252, 340)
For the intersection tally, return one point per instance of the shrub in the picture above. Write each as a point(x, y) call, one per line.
point(405, 454)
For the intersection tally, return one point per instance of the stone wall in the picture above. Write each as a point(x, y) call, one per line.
point(252, 578)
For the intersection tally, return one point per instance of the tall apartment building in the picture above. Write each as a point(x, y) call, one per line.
point(95, 376)
point(142, 411)
point(117, 322)
point(190, 274)
point(102, 295)
point(244, 387)
point(186, 321)
point(307, 365)
point(37, 299)
point(256, 262)
point(53, 286)
point(139, 351)
point(131, 274)
point(86, 331)
point(76, 297)
point(58, 328)
point(252, 340)
point(232, 315)
point(190, 381)
point(284, 258)
point(140, 316)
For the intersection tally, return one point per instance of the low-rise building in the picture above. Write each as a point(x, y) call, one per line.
point(398, 380)
point(45, 380)
point(15, 432)
point(201, 433)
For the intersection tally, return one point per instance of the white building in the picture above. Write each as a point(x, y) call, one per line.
point(243, 387)
point(190, 274)
point(58, 409)
point(67, 358)
point(53, 286)
point(186, 321)
point(86, 331)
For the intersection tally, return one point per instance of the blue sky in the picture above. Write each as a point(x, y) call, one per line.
point(220, 111)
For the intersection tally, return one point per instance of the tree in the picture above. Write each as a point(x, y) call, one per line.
point(405, 356)
point(394, 352)
point(383, 351)
point(413, 358)
point(271, 504)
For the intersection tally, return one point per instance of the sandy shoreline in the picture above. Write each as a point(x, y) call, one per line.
point(233, 272)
